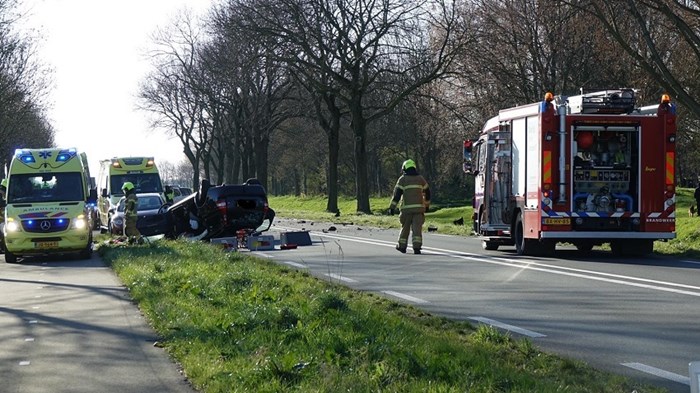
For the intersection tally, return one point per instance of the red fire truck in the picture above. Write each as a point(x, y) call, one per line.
point(585, 170)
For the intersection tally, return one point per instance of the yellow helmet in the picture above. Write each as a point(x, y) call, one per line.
point(408, 164)
point(127, 186)
point(3, 183)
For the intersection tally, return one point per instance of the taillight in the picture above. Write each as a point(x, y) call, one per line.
point(222, 207)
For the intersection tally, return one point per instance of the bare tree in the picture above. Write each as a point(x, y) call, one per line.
point(660, 36)
point(391, 47)
point(23, 88)
point(169, 92)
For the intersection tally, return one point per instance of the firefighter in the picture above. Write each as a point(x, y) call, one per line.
point(415, 192)
point(169, 194)
point(130, 214)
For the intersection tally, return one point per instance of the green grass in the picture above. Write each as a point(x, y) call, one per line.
point(442, 217)
point(240, 324)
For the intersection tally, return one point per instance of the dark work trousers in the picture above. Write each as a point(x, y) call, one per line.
point(411, 222)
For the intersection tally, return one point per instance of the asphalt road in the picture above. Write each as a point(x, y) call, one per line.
point(68, 325)
point(632, 316)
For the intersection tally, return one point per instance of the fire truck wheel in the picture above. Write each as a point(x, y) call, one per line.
point(617, 248)
point(632, 247)
point(518, 236)
point(584, 247)
point(491, 246)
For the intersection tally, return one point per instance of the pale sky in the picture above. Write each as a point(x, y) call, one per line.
point(97, 50)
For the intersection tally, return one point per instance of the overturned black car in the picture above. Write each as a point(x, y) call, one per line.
point(214, 211)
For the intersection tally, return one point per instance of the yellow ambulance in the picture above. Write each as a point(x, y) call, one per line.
point(48, 197)
point(142, 172)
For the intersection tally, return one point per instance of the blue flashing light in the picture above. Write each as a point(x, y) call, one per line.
point(28, 158)
point(65, 155)
point(61, 221)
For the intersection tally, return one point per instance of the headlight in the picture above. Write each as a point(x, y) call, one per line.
point(11, 226)
point(118, 221)
point(79, 222)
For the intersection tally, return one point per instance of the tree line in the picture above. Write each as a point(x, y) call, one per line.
point(330, 96)
point(24, 83)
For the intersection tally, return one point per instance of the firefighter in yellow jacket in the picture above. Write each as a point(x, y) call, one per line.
point(130, 213)
point(414, 190)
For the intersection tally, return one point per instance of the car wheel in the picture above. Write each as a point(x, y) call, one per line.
point(10, 257)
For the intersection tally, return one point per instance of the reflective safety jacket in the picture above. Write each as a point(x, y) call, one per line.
point(130, 206)
point(414, 190)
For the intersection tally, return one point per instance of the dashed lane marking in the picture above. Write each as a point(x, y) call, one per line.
point(341, 278)
point(298, 265)
point(658, 372)
point(510, 328)
point(406, 297)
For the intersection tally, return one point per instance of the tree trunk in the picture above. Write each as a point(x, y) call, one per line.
point(359, 128)
point(261, 155)
point(333, 154)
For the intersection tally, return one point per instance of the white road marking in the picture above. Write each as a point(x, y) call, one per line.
point(406, 297)
point(299, 265)
point(29, 339)
point(341, 278)
point(510, 328)
point(530, 264)
point(25, 363)
point(658, 372)
point(33, 321)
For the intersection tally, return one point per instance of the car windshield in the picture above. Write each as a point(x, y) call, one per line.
point(47, 187)
point(143, 182)
point(145, 202)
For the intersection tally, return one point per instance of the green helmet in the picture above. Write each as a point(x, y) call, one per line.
point(128, 186)
point(4, 183)
point(408, 164)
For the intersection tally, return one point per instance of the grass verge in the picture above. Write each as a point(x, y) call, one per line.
point(240, 324)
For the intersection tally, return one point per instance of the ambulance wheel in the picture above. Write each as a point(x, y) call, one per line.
point(491, 246)
point(10, 257)
point(87, 251)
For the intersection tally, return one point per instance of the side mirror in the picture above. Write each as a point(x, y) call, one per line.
point(467, 155)
point(92, 198)
point(467, 167)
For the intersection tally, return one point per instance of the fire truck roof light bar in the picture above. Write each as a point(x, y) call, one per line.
point(617, 101)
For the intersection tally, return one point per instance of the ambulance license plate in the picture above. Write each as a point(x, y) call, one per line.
point(556, 221)
point(45, 245)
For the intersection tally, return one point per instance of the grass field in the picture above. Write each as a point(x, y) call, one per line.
point(240, 324)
